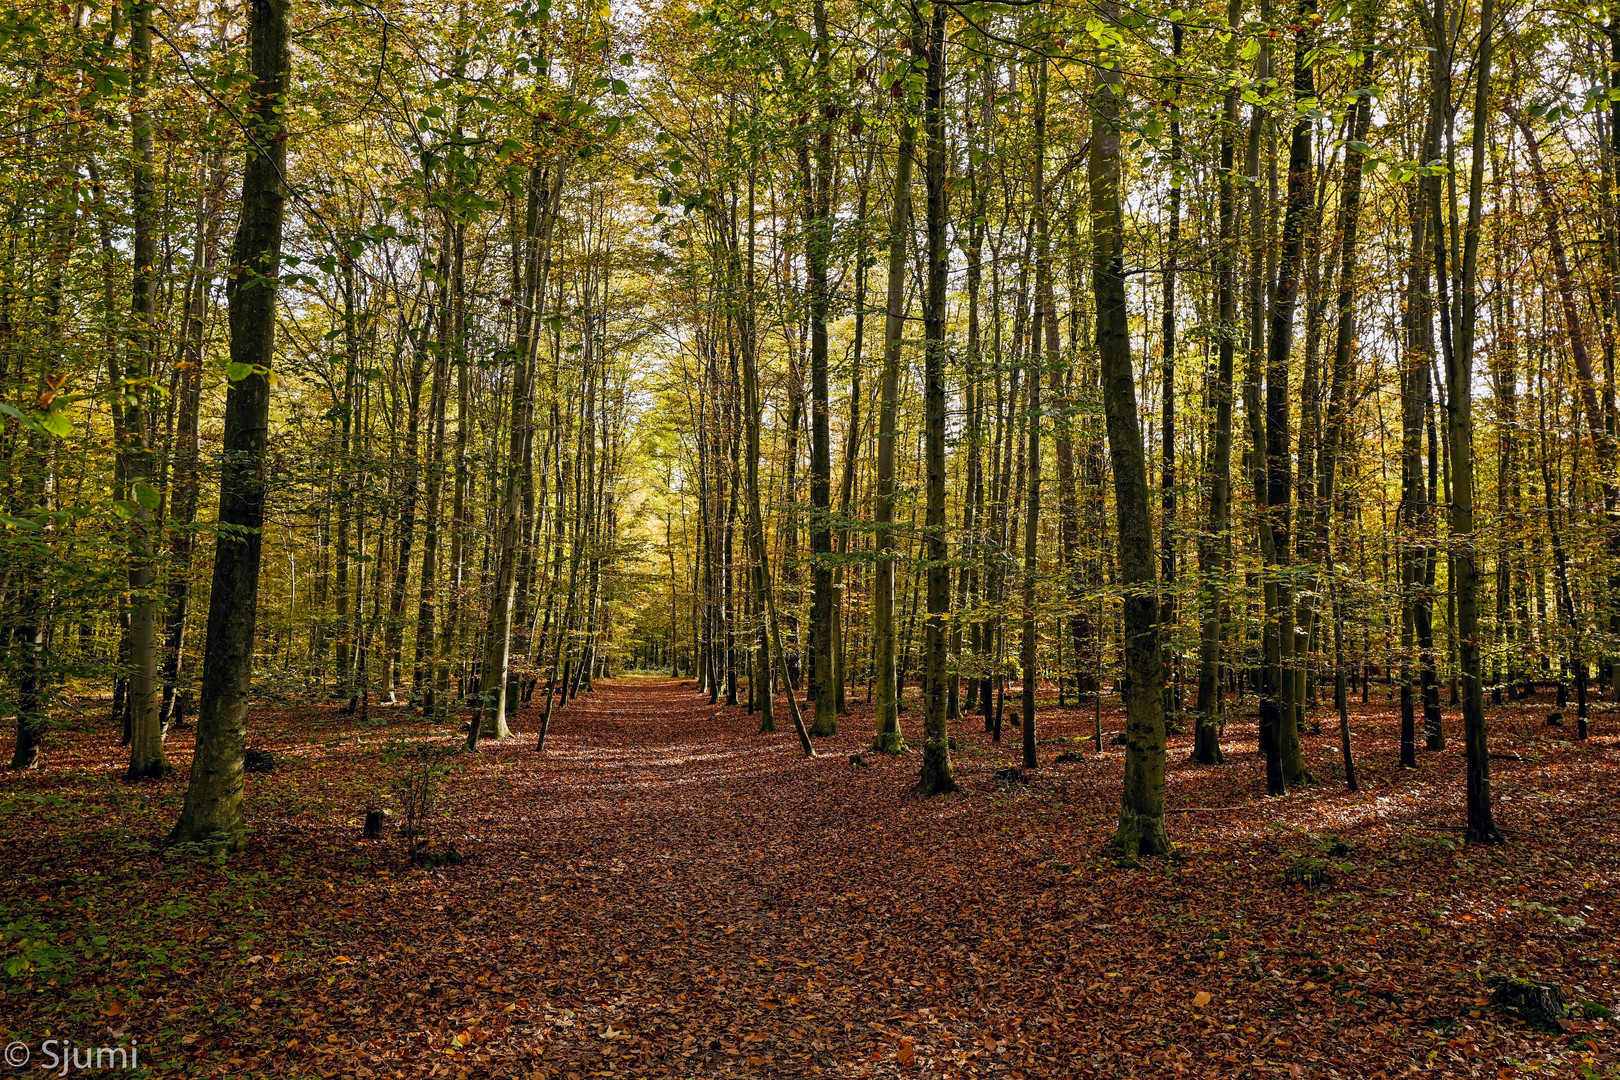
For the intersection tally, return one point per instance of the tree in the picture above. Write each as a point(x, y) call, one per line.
point(936, 774)
point(1141, 813)
point(213, 808)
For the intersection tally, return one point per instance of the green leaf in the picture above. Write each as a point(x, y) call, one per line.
point(56, 423)
point(22, 418)
point(146, 495)
point(237, 372)
point(1250, 50)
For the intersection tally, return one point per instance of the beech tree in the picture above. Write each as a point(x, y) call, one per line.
point(1247, 345)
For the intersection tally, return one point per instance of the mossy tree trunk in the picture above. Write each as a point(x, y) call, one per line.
point(213, 808)
point(1141, 813)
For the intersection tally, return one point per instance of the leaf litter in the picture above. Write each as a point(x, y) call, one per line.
point(667, 892)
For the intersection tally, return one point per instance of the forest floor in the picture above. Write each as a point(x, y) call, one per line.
point(667, 893)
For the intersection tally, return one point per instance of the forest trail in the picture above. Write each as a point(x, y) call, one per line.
point(668, 893)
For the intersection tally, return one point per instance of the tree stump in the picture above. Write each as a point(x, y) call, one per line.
point(1541, 1005)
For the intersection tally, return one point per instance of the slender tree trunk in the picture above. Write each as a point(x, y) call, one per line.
point(1333, 431)
point(1167, 403)
point(545, 191)
point(886, 695)
point(936, 775)
point(455, 577)
point(146, 758)
point(1270, 669)
point(756, 521)
point(428, 590)
point(1214, 559)
point(1460, 401)
point(1279, 464)
point(186, 483)
point(1030, 645)
point(405, 528)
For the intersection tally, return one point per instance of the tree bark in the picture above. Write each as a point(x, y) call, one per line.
point(886, 695)
point(213, 808)
point(1460, 401)
point(1029, 658)
point(146, 758)
point(1214, 546)
point(936, 775)
point(1141, 814)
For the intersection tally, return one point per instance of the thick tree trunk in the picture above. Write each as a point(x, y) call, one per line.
point(213, 807)
point(1141, 814)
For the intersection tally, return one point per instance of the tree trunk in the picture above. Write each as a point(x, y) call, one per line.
point(1214, 559)
point(936, 775)
point(1460, 373)
point(544, 194)
point(146, 758)
point(756, 521)
point(885, 692)
point(1029, 658)
point(1333, 431)
point(186, 484)
point(1141, 813)
point(1279, 464)
point(213, 807)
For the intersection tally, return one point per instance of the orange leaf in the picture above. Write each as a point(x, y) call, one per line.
point(906, 1052)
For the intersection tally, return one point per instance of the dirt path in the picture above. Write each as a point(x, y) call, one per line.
point(668, 893)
